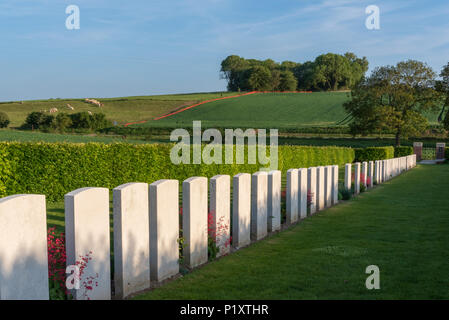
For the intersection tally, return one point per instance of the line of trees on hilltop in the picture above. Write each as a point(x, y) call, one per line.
point(327, 72)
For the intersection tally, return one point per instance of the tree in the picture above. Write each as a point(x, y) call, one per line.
point(393, 98)
point(275, 79)
point(358, 67)
point(288, 81)
point(4, 120)
point(233, 70)
point(260, 79)
point(332, 71)
point(443, 88)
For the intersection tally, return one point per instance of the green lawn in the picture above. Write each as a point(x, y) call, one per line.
point(36, 136)
point(401, 226)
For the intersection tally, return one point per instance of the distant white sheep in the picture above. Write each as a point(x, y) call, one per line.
point(53, 110)
point(94, 102)
point(70, 107)
point(89, 112)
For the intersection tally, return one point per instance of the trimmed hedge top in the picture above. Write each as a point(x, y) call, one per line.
point(54, 169)
point(373, 153)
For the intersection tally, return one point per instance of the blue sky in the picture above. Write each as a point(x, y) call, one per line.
point(139, 47)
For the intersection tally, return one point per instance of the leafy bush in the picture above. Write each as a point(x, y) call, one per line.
point(403, 151)
point(4, 120)
point(62, 121)
point(55, 169)
point(34, 120)
point(346, 194)
point(373, 153)
point(81, 120)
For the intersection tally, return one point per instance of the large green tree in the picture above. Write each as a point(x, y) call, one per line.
point(394, 98)
point(288, 81)
point(443, 88)
point(327, 72)
point(260, 79)
point(332, 71)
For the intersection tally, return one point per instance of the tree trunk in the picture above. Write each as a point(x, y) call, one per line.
point(398, 138)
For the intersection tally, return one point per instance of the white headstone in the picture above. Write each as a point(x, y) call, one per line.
point(302, 193)
point(131, 239)
point(88, 232)
point(274, 200)
point(371, 173)
point(194, 221)
point(320, 188)
point(259, 205)
point(357, 178)
point(364, 174)
point(292, 197)
point(164, 229)
point(220, 211)
point(311, 188)
point(241, 210)
point(334, 184)
point(23, 248)
point(348, 176)
point(328, 186)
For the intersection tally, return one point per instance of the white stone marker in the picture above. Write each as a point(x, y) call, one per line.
point(357, 178)
point(364, 174)
point(311, 188)
point(348, 176)
point(320, 189)
point(292, 197)
point(23, 248)
point(371, 173)
point(87, 230)
point(302, 192)
point(194, 220)
point(380, 171)
point(164, 229)
point(384, 170)
point(274, 201)
point(334, 184)
point(328, 186)
point(131, 239)
point(376, 171)
point(220, 209)
point(259, 205)
point(241, 210)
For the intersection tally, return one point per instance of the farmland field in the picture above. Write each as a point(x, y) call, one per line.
point(266, 109)
point(122, 110)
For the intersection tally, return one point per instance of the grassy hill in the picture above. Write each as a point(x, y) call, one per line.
point(278, 110)
point(260, 110)
point(122, 110)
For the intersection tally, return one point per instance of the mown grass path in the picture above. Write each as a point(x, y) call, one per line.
point(401, 226)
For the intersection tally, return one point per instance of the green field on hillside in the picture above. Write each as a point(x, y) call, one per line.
point(122, 110)
point(277, 110)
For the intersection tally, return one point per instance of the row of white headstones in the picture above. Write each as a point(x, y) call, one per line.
point(146, 224)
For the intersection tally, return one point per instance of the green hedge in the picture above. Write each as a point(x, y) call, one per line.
point(446, 153)
point(402, 151)
point(373, 153)
point(54, 169)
